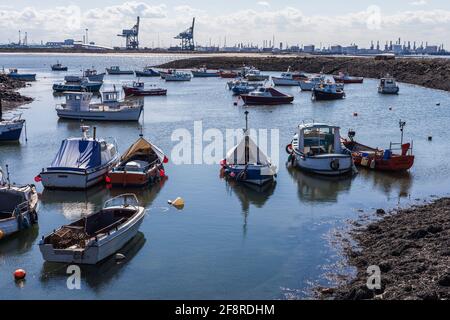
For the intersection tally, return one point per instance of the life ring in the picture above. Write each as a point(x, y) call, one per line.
point(334, 164)
point(289, 148)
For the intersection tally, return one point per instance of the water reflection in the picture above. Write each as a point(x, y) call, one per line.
point(399, 183)
point(18, 243)
point(315, 188)
point(99, 275)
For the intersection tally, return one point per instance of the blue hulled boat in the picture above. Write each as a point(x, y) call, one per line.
point(84, 85)
point(14, 74)
point(10, 129)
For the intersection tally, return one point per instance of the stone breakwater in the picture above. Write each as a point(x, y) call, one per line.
point(9, 95)
point(427, 72)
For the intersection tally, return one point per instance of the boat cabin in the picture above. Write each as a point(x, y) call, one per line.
point(138, 85)
point(319, 138)
point(111, 98)
point(114, 68)
point(78, 101)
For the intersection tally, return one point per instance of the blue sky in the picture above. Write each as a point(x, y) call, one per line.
point(293, 22)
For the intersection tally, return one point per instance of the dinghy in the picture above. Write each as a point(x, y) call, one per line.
point(246, 162)
point(78, 107)
point(80, 163)
point(140, 165)
point(18, 206)
point(317, 148)
point(95, 237)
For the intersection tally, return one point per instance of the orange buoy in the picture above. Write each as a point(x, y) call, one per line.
point(19, 274)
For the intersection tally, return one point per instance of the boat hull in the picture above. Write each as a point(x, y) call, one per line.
point(321, 95)
point(59, 68)
point(285, 82)
point(198, 74)
point(125, 179)
point(348, 81)
point(11, 131)
point(22, 77)
point(256, 100)
point(131, 114)
point(256, 77)
point(146, 73)
point(253, 174)
point(307, 86)
point(149, 92)
point(328, 165)
point(96, 251)
point(118, 73)
point(388, 90)
point(77, 87)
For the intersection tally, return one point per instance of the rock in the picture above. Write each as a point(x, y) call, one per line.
point(417, 234)
point(385, 266)
point(381, 212)
point(373, 228)
point(434, 229)
point(444, 280)
point(327, 291)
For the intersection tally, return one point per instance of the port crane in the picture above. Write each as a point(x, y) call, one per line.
point(187, 38)
point(131, 36)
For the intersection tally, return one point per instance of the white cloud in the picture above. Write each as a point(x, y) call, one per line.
point(419, 3)
point(264, 4)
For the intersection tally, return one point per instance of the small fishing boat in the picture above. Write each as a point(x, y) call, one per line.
point(115, 70)
point(139, 89)
point(317, 148)
point(327, 91)
point(78, 106)
point(289, 78)
point(97, 236)
point(266, 96)
point(255, 75)
point(10, 129)
point(204, 73)
point(379, 159)
point(246, 162)
point(14, 74)
point(178, 76)
point(388, 85)
point(228, 74)
point(310, 83)
point(163, 73)
point(18, 206)
point(89, 74)
point(80, 163)
point(244, 87)
point(147, 72)
point(347, 79)
point(82, 86)
point(58, 67)
point(142, 164)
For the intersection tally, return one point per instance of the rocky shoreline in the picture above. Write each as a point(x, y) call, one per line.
point(9, 96)
point(427, 72)
point(410, 246)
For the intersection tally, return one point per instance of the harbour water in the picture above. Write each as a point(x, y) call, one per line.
point(230, 241)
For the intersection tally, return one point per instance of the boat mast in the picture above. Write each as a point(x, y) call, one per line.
point(7, 176)
point(401, 125)
point(247, 153)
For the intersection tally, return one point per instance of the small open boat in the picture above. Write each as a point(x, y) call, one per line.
point(18, 206)
point(138, 89)
point(115, 70)
point(347, 79)
point(163, 73)
point(388, 85)
point(10, 129)
point(80, 163)
point(95, 237)
point(246, 162)
point(89, 74)
point(14, 74)
point(78, 107)
point(327, 91)
point(140, 165)
point(379, 159)
point(266, 96)
point(147, 72)
point(58, 67)
point(244, 87)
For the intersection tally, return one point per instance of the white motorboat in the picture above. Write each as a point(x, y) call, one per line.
point(256, 75)
point(388, 85)
point(18, 206)
point(95, 237)
point(289, 79)
point(178, 76)
point(309, 84)
point(80, 162)
point(78, 106)
point(317, 148)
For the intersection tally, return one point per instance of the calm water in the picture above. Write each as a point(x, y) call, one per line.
point(229, 241)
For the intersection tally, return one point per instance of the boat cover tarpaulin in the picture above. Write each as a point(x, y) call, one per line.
point(76, 153)
point(143, 147)
point(236, 155)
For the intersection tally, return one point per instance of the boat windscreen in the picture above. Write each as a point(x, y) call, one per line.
point(82, 154)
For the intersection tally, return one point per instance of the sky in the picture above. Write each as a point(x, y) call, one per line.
point(293, 22)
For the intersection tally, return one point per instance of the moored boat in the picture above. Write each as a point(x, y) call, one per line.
point(347, 79)
point(97, 236)
point(89, 74)
point(147, 72)
point(58, 67)
point(10, 129)
point(78, 106)
point(115, 70)
point(327, 91)
point(18, 206)
point(388, 85)
point(289, 78)
point(14, 74)
point(83, 85)
point(228, 74)
point(379, 159)
point(266, 96)
point(80, 163)
point(317, 148)
point(244, 87)
point(204, 73)
point(139, 89)
point(310, 83)
point(163, 73)
point(255, 75)
point(178, 76)
point(246, 162)
point(142, 164)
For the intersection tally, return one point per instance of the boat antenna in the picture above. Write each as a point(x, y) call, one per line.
point(401, 125)
point(7, 176)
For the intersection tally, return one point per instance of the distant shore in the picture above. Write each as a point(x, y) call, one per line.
point(432, 73)
point(410, 246)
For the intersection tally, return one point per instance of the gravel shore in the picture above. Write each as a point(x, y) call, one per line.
point(411, 247)
point(427, 72)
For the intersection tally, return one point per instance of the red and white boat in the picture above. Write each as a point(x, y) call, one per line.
point(346, 78)
point(139, 89)
point(266, 96)
point(379, 159)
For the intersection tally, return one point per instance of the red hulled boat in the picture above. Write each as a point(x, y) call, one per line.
point(139, 89)
point(228, 74)
point(266, 96)
point(345, 78)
